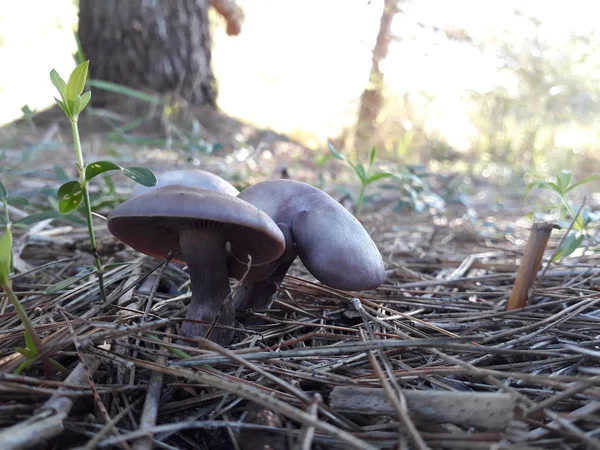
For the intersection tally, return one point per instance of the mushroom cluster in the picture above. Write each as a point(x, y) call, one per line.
point(331, 243)
point(194, 217)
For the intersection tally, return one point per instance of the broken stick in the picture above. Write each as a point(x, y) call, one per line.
point(532, 258)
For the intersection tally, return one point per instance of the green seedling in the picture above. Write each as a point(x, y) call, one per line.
point(28, 115)
point(364, 175)
point(561, 186)
point(32, 341)
point(73, 193)
point(416, 193)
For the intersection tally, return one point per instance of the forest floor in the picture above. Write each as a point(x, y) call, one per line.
point(430, 359)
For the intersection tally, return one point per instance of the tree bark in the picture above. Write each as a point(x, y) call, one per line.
point(163, 46)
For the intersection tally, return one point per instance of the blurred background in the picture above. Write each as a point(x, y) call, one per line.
point(501, 90)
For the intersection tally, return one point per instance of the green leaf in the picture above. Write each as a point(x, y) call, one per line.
point(323, 159)
point(571, 243)
point(112, 191)
point(26, 352)
point(77, 82)
point(583, 181)
point(359, 169)
point(63, 106)
point(553, 187)
point(98, 167)
point(64, 284)
point(76, 105)
point(141, 175)
point(70, 196)
point(335, 153)
point(37, 217)
point(379, 176)
point(5, 257)
point(129, 92)
point(60, 173)
point(128, 126)
point(580, 223)
point(27, 112)
point(534, 184)
point(563, 179)
point(372, 156)
point(16, 200)
point(84, 100)
point(3, 192)
point(24, 365)
point(59, 84)
point(58, 366)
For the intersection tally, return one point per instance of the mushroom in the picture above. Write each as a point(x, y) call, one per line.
point(331, 242)
point(193, 225)
point(189, 177)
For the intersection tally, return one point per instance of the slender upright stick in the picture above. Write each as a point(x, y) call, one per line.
point(532, 258)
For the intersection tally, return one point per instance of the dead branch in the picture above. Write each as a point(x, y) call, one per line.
point(48, 422)
point(232, 13)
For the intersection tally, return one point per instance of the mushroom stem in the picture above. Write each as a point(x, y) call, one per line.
point(204, 253)
point(259, 292)
point(259, 295)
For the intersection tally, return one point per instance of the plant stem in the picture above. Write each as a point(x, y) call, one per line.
point(88, 207)
point(360, 200)
point(6, 217)
point(7, 288)
point(8, 226)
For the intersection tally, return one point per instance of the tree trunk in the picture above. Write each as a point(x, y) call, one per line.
point(371, 100)
point(163, 46)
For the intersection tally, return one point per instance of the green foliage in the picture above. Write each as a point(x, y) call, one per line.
point(32, 341)
point(417, 195)
point(3, 192)
point(31, 354)
point(75, 192)
point(28, 115)
point(72, 101)
point(365, 176)
point(70, 196)
point(124, 90)
point(560, 187)
point(72, 193)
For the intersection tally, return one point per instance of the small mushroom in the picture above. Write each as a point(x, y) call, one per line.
point(194, 225)
point(189, 177)
point(331, 242)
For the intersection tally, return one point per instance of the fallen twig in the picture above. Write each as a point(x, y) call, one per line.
point(488, 411)
point(48, 422)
